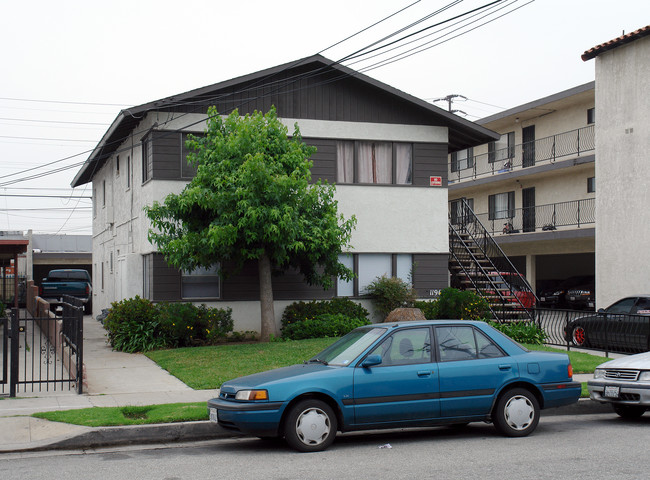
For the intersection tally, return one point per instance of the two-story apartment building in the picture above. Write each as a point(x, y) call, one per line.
point(534, 187)
point(385, 150)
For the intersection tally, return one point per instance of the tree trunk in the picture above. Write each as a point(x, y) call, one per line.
point(268, 326)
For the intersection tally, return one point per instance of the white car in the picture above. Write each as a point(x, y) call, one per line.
point(625, 383)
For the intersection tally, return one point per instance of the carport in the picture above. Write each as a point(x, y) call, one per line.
point(9, 250)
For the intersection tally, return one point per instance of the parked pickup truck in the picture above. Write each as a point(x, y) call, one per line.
point(73, 282)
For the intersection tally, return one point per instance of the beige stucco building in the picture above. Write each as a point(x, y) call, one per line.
point(533, 189)
point(623, 143)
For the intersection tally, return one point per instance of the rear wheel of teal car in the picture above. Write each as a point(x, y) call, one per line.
point(516, 413)
point(310, 426)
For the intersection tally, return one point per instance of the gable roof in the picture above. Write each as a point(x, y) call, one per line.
point(617, 42)
point(462, 132)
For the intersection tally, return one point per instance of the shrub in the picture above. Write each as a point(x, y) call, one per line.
point(137, 325)
point(300, 311)
point(390, 293)
point(326, 325)
point(461, 304)
point(523, 332)
point(429, 308)
point(132, 326)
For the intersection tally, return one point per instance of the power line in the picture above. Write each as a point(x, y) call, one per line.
point(103, 124)
point(64, 102)
point(48, 139)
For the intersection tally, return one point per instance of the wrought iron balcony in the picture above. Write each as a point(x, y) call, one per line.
point(540, 218)
point(544, 150)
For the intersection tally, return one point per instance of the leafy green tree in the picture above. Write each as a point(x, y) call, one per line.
point(252, 199)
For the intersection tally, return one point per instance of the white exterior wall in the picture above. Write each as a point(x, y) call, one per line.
point(391, 219)
point(623, 143)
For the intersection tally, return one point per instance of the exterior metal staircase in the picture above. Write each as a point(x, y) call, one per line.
point(477, 263)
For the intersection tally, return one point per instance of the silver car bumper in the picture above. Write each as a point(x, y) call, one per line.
point(612, 391)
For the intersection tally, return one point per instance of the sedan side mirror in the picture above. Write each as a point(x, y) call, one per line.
point(371, 361)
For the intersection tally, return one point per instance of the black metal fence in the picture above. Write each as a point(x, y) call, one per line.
point(593, 330)
point(42, 354)
point(543, 150)
point(548, 217)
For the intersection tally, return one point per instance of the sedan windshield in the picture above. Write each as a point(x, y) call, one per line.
point(349, 347)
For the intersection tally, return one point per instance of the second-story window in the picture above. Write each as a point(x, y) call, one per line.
point(591, 184)
point(591, 116)
point(374, 162)
point(501, 205)
point(462, 159)
point(146, 159)
point(502, 149)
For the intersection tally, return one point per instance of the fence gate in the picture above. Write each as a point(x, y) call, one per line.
point(42, 354)
point(4, 348)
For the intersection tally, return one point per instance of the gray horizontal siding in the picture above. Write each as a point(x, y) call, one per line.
point(289, 286)
point(430, 273)
point(429, 159)
point(165, 281)
point(324, 160)
point(166, 151)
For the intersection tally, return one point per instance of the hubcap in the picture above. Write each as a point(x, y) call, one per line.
point(519, 412)
point(579, 336)
point(313, 426)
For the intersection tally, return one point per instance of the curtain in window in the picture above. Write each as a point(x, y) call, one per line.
point(345, 162)
point(403, 163)
point(375, 162)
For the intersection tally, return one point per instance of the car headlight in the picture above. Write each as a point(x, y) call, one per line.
point(252, 395)
point(644, 377)
point(599, 373)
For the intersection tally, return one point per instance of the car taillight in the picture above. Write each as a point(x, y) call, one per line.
point(40, 291)
point(87, 289)
point(570, 371)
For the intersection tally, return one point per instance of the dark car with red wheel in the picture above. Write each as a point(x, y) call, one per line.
point(623, 326)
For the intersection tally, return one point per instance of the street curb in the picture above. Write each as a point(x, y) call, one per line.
point(132, 435)
point(206, 430)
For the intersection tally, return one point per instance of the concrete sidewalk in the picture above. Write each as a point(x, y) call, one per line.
point(121, 379)
point(114, 379)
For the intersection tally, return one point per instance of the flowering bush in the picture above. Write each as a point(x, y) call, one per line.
point(461, 304)
point(137, 325)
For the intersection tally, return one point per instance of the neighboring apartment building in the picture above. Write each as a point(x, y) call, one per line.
point(623, 143)
point(385, 150)
point(534, 187)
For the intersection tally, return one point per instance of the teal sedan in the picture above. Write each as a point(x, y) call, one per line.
point(397, 375)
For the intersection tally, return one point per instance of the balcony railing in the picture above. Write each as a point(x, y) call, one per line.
point(543, 150)
point(542, 218)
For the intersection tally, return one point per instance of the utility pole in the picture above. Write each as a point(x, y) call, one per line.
point(449, 99)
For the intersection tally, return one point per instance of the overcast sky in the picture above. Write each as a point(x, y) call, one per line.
point(70, 66)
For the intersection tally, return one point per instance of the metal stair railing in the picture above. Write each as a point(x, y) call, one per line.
point(471, 274)
point(469, 224)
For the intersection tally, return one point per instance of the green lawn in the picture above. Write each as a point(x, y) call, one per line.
point(209, 367)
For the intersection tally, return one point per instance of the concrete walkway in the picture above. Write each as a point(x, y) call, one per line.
point(121, 379)
point(114, 379)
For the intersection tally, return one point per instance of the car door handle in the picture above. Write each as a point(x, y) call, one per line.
point(424, 373)
point(505, 367)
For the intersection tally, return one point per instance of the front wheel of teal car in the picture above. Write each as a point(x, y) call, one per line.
point(310, 426)
point(516, 413)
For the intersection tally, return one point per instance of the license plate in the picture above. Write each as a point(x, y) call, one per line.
point(214, 416)
point(573, 299)
point(591, 304)
point(612, 392)
point(543, 299)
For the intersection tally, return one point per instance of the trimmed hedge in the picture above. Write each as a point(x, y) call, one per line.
point(301, 311)
point(326, 325)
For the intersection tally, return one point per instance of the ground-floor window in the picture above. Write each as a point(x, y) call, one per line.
point(368, 267)
point(201, 283)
